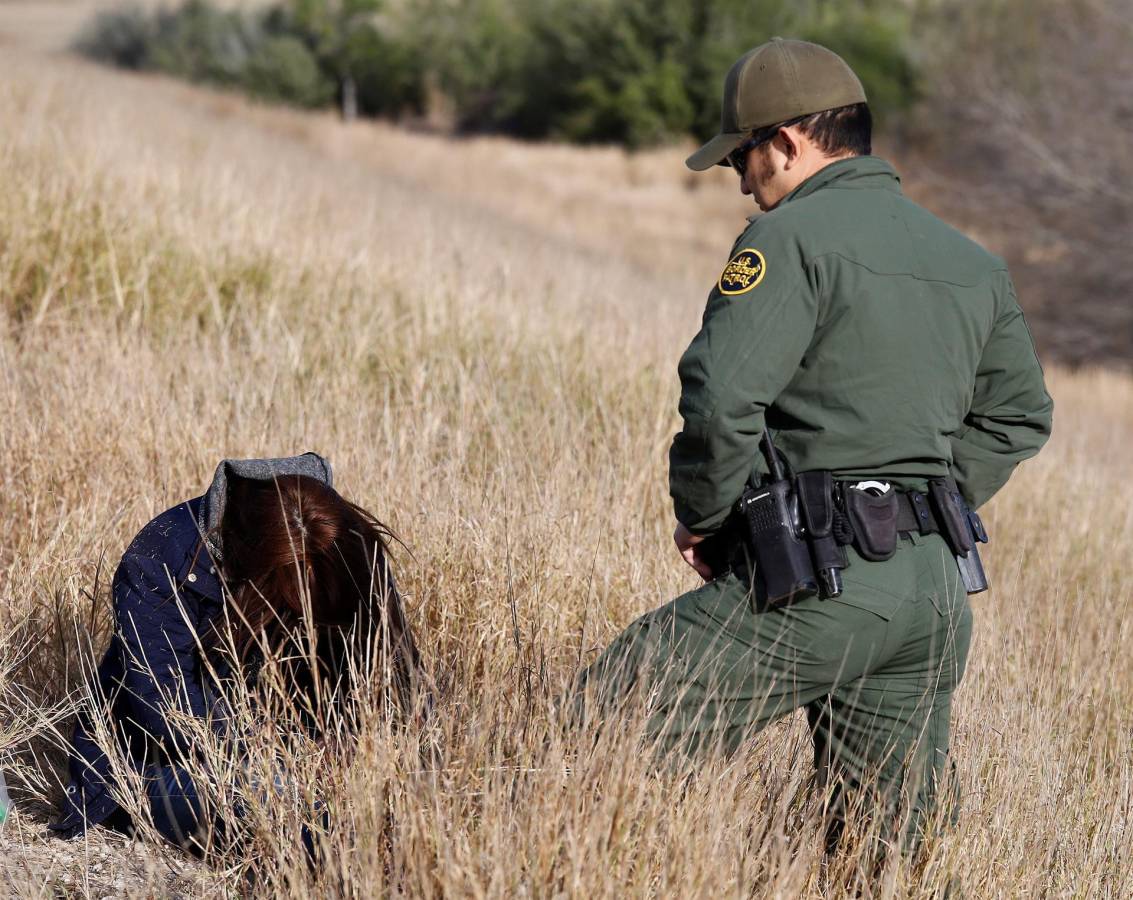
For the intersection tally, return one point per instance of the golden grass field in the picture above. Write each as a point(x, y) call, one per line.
point(482, 338)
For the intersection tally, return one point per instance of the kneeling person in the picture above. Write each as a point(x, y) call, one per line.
point(237, 578)
point(879, 345)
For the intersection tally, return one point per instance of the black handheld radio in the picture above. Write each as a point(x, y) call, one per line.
point(771, 511)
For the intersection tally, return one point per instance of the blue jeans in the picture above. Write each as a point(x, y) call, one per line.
point(175, 806)
point(177, 811)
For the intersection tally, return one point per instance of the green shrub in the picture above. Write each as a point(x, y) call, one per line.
point(389, 74)
point(282, 69)
point(474, 52)
point(585, 70)
point(610, 71)
point(633, 72)
point(119, 37)
point(637, 71)
point(200, 42)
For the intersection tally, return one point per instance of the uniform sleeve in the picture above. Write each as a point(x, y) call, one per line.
point(755, 331)
point(159, 651)
point(1010, 415)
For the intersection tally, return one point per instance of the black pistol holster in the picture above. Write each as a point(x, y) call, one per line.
point(962, 528)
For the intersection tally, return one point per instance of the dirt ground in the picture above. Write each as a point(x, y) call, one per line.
point(104, 864)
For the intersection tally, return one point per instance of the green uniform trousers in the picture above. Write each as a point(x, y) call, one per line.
point(875, 669)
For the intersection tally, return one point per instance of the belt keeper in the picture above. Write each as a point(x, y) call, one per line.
point(920, 509)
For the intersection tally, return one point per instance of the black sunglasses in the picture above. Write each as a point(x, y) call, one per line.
point(738, 157)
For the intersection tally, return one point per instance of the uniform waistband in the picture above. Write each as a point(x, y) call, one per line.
point(914, 512)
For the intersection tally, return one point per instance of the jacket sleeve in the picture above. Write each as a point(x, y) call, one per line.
point(158, 651)
point(749, 347)
point(1010, 415)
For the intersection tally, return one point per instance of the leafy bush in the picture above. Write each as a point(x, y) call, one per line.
point(485, 48)
point(584, 70)
point(389, 75)
point(610, 71)
point(119, 38)
point(282, 69)
point(633, 72)
point(200, 42)
point(636, 71)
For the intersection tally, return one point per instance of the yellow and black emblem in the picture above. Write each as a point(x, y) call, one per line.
point(743, 272)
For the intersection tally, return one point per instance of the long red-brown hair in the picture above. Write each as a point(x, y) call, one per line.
point(294, 551)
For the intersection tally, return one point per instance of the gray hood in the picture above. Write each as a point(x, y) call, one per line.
point(212, 510)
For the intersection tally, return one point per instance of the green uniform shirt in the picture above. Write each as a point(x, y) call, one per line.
point(872, 338)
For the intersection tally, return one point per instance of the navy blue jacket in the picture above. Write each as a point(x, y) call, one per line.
point(166, 593)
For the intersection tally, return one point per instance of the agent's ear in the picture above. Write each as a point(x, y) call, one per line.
point(790, 145)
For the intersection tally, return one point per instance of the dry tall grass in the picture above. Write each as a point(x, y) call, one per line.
point(488, 359)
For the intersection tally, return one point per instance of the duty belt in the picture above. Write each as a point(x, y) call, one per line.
point(915, 514)
point(797, 529)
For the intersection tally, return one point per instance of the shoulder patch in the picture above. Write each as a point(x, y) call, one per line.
point(743, 272)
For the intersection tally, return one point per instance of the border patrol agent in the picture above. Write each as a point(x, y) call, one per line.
point(885, 352)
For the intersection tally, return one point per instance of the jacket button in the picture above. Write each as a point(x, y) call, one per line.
point(71, 789)
point(192, 576)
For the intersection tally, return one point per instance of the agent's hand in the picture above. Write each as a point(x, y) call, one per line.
point(686, 543)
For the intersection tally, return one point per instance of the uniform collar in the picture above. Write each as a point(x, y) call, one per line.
point(854, 173)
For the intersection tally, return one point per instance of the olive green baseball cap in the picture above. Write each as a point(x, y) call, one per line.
point(780, 80)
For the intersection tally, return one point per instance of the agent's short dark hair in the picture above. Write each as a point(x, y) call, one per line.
point(846, 129)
